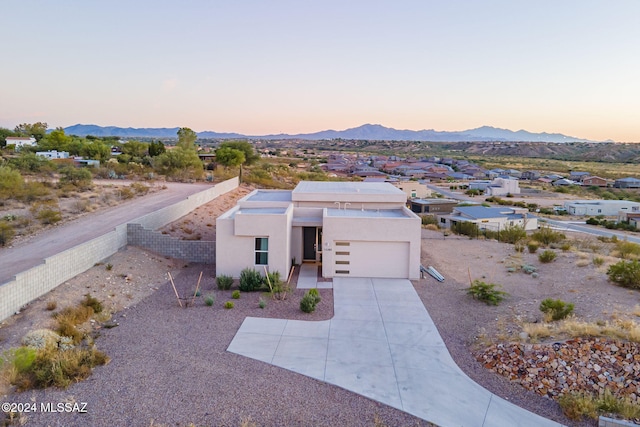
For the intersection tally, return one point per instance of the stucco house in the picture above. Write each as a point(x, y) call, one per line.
point(600, 207)
point(491, 218)
point(413, 189)
point(502, 187)
point(21, 141)
point(53, 154)
point(358, 229)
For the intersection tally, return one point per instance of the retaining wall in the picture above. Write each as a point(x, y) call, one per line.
point(37, 281)
point(188, 250)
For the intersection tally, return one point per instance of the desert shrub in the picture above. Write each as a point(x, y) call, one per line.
point(627, 250)
point(52, 305)
point(466, 228)
point(139, 188)
point(53, 367)
point(512, 234)
point(429, 219)
point(565, 247)
point(556, 309)
point(6, 232)
point(228, 305)
point(23, 358)
point(262, 303)
point(78, 177)
point(593, 221)
point(41, 338)
point(598, 261)
point(309, 301)
point(49, 216)
point(209, 300)
point(126, 193)
point(528, 269)
point(92, 302)
point(625, 274)
point(250, 280)
point(108, 267)
point(224, 282)
point(578, 405)
point(547, 256)
point(546, 236)
point(235, 294)
point(533, 246)
point(486, 292)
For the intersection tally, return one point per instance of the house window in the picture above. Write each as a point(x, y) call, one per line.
point(262, 250)
point(414, 194)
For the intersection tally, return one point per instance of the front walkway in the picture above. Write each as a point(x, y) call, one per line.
point(382, 344)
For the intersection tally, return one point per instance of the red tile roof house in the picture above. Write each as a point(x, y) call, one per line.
point(353, 229)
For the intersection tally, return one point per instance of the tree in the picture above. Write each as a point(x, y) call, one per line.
point(37, 130)
point(230, 157)
point(56, 140)
point(156, 148)
point(250, 155)
point(135, 149)
point(4, 133)
point(180, 162)
point(187, 138)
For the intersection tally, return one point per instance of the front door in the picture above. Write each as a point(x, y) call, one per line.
point(309, 243)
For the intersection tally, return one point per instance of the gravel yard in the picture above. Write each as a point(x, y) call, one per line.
point(169, 366)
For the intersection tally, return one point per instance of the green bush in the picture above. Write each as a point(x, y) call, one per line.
point(209, 300)
point(309, 301)
point(466, 228)
point(250, 280)
point(627, 250)
point(556, 309)
point(512, 234)
point(49, 216)
point(23, 358)
point(429, 219)
point(486, 292)
point(533, 246)
point(228, 305)
point(6, 233)
point(625, 274)
point(546, 236)
point(235, 294)
point(224, 282)
point(92, 302)
point(262, 303)
point(547, 256)
point(598, 261)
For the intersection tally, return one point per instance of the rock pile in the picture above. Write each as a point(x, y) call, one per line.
point(590, 365)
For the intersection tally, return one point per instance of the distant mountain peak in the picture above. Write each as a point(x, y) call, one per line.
point(366, 131)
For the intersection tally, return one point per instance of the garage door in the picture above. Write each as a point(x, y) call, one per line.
point(371, 259)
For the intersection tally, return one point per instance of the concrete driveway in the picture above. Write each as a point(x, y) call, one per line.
point(382, 344)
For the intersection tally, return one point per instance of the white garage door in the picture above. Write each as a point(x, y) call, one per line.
point(371, 259)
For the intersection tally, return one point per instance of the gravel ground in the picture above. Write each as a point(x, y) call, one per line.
point(170, 367)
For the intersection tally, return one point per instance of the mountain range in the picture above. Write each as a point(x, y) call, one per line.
point(368, 132)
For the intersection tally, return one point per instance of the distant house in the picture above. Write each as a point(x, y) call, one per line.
point(627, 183)
point(601, 207)
point(79, 161)
point(432, 206)
point(530, 175)
point(502, 187)
point(595, 181)
point(479, 184)
point(413, 189)
point(514, 173)
point(491, 218)
point(53, 154)
point(578, 176)
point(563, 182)
point(20, 141)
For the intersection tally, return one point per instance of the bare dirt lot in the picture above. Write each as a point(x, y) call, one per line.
point(169, 364)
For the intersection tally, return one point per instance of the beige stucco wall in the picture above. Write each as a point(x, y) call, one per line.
point(410, 188)
point(373, 230)
point(235, 241)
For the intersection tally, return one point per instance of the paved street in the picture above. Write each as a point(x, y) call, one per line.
point(32, 252)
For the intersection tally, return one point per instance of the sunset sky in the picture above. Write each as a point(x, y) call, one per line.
point(299, 66)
